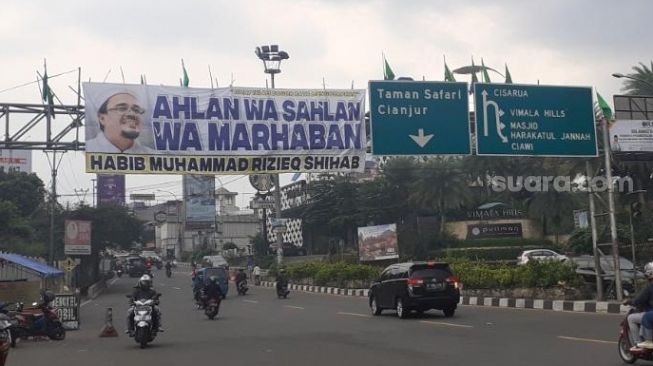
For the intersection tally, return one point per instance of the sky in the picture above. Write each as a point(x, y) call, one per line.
point(331, 44)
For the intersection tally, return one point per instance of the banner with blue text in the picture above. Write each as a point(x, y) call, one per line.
point(147, 129)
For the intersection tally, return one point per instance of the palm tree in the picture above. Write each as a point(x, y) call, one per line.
point(441, 185)
point(637, 87)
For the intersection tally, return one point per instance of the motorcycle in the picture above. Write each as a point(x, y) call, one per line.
point(119, 272)
point(144, 331)
point(242, 287)
point(624, 344)
point(282, 291)
point(168, 272)
point(212, 307)
point(39, 321)
point(5, 337)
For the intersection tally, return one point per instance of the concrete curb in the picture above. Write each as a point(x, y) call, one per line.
point(583, 306)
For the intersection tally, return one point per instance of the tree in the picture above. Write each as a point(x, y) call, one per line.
point(441, 185)
point(637, 87)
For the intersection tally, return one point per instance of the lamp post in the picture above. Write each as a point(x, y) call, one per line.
point(272, 57)
point(620, 75)
point(180, 227)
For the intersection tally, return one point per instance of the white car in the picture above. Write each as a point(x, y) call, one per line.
point(540, 255)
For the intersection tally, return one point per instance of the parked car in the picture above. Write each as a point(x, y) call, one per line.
point(585, 267)
point(214, 261)
point(540, 255)
point(415, 286)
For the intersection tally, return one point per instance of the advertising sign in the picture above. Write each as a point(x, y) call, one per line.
point(378, 242)
point(148, 129)
point(199, 194)
point(534, 120)
point(110, 189)
point(15, 160)
point(77, 238)
point(486, 231)
point(419, 118)
point(67, 306)
point(631, 136)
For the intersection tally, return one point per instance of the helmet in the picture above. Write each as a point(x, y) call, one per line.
point(213, 279)
point(282, 270)
point(48, 296)
point(648, 270)
point(145, 282)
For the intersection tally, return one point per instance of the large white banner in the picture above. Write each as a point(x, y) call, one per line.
point(631, 135)
point(148, 129)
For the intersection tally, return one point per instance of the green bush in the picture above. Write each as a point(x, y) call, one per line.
point(476, 275)
point(505, 242)
point(332, 273)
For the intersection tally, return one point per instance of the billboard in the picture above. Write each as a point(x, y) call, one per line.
point(110, 189)
point(378, 242)
point(77, 238)
point(199, 197)
point(15, 160)
point(148, 129)
point(488, 231)
point(631, 136)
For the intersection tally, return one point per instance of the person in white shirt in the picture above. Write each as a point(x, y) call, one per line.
point(120, 120)
point(257, 275)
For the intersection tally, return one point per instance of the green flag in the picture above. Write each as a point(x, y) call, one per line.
point(47, 94)
point(186, 81)
point(486, 76)
point(448, 75)
point(508, 77)
point(387, 71)
point(605, 108)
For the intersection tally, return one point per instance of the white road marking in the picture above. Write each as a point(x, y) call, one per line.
point(447, 324)
point(251, 301)
point(294, 307)
point(587, 340)
point(177, 288)
point(114, 281)
point(85, 302)
point(354, 314)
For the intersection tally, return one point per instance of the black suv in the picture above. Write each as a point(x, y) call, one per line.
point(418, 286)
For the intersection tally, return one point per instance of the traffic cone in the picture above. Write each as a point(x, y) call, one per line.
point(108, 330)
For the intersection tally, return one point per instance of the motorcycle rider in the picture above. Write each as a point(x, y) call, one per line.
point(168, 266)
point(212, 290)
point(241, 276)
point(143, 290)
point(643, 303)
point(282, 279)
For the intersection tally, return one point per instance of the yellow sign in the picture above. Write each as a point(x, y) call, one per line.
point(69, 264)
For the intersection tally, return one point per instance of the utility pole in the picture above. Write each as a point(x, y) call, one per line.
point(611, 211)
point(54, 165)
point(595, 248)
point(93, 189)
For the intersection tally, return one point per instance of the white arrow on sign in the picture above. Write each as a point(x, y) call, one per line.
point(421, 139)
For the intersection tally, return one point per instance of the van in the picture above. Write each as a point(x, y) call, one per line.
point(214, 261)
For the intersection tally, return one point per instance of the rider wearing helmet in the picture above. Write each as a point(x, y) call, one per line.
point(212, 290)
point(643, 303)
point(282, 279)
point(144, 291)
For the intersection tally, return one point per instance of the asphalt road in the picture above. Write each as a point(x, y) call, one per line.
point(320, 329)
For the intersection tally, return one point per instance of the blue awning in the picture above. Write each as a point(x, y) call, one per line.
point(42, 269)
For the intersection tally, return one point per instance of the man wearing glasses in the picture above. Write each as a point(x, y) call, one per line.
point(120, 120)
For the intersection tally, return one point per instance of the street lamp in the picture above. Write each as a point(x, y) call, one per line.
point(272, 57)
point(620, 75)
point(181, 229)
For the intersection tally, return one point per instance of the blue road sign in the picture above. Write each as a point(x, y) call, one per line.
point(419, 118)
point(534, 120)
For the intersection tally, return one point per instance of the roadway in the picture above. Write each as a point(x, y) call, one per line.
point(321, 329)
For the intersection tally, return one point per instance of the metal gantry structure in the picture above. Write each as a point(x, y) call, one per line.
point(60, 135)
